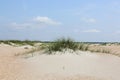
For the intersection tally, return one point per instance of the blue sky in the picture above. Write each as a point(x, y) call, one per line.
point(82, 20)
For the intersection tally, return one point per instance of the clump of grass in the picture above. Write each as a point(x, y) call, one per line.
point(83, 46)
point(43, 46)
point(62, 43)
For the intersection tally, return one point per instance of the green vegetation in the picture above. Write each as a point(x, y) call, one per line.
point(83, 46)
point(18, 42)
point(66, 43)
point(62, 43)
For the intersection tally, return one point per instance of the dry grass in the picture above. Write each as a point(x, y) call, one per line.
point(109, 49)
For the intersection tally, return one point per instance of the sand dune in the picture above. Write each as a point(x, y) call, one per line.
point(85, 66)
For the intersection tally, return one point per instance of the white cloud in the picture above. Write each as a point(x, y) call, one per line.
point(89, 20)
point(36, 22)
point(46, 20)
point(91, 31)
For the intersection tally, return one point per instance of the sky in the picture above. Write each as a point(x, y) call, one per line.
point(46, 20)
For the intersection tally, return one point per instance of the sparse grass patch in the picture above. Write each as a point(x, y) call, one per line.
point(100, 49)
point(83, 46)
point(44, 46)
point(29, 52)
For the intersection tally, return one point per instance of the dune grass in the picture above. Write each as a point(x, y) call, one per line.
point(83, 46)
point(65, 44)
point(62, 43)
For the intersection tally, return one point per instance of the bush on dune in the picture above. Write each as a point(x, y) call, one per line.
point(62, 43)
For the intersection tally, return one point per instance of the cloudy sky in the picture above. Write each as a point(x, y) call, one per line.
point(82, 20)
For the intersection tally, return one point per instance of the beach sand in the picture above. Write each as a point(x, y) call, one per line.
point(85, 66)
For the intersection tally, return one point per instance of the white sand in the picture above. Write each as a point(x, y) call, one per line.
point(85, 66)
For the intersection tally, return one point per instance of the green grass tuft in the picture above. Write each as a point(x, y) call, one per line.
point(62, 43)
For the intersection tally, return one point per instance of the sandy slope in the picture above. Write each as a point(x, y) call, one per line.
point(85, 66)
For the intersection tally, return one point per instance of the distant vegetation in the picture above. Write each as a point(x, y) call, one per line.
point(18, 42)
point(65, 44)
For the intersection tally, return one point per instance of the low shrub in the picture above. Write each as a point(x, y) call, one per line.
point(62, 43)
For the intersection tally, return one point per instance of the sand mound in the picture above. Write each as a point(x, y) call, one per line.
point(85, 66)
